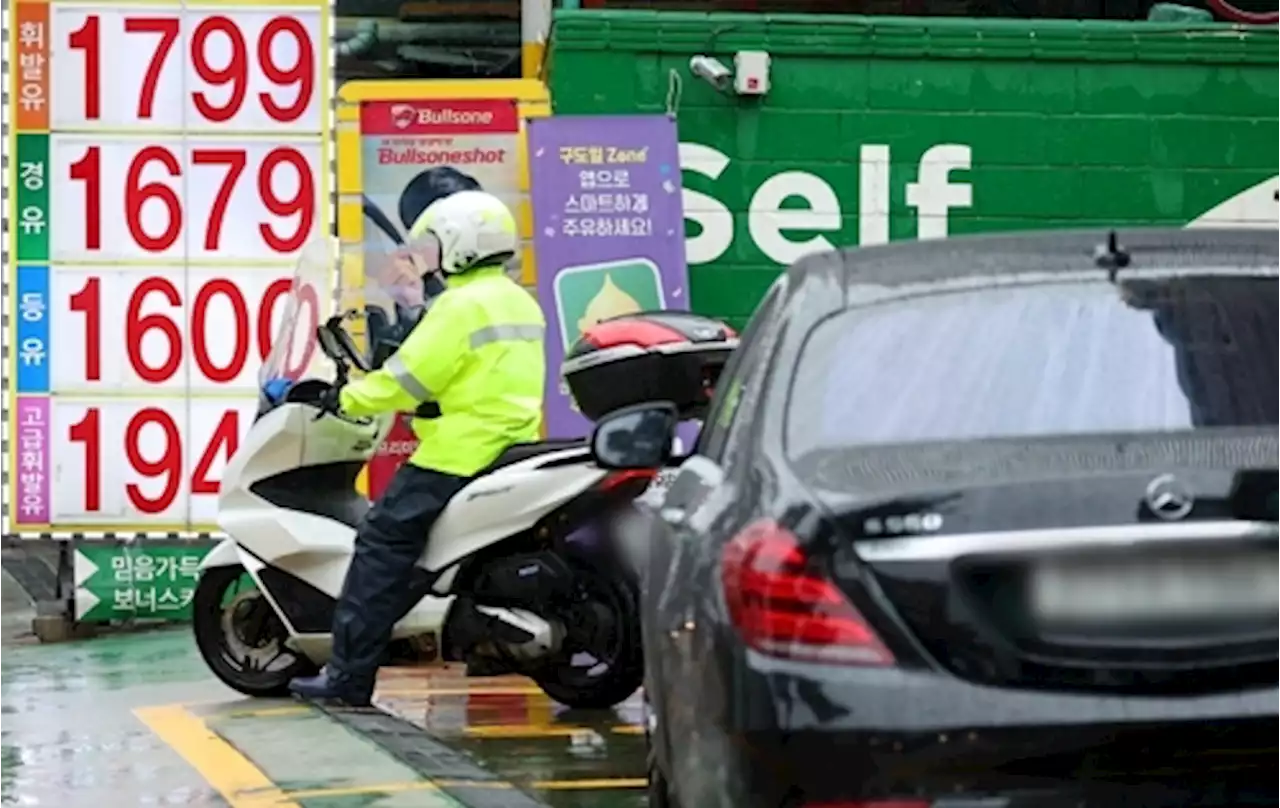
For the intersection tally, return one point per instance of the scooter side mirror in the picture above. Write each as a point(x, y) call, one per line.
point(637, 437)
point(338, 345)
point(382, 351)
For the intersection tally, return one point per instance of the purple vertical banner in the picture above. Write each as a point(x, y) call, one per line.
point(608, 232)
point(33, 466)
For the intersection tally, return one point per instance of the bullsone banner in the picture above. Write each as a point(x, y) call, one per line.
point(404, 144)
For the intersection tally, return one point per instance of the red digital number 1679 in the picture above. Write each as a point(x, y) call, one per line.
point(164, 31)
point(88, 170)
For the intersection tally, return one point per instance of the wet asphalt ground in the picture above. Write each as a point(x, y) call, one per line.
point(136, 720)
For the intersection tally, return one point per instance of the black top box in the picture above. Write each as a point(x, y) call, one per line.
point(669, 356)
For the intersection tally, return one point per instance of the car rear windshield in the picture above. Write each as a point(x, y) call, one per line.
point(1056, 359)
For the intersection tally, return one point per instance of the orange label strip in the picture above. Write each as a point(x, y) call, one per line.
point(31, 73)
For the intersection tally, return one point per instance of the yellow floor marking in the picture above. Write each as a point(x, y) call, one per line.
point(264, 712)
point(600, 784)
point(629, 729)
point(231, 774)
point(447, 783)
point(244, 785)
point(350, 791)
point(590, 785)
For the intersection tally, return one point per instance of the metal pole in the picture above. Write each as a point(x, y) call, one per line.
point(535, 27)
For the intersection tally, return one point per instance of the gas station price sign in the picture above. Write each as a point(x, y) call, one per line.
point(171, 163)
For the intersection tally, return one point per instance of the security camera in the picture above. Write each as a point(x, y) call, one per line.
point(711, 70)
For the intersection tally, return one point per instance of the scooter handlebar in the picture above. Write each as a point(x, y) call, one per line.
point(309, 391)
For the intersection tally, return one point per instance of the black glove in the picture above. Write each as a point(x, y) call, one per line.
point(330, 401)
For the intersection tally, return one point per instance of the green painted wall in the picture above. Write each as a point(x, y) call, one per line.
point(902, 128)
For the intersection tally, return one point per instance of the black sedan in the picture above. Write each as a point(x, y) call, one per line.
point(977, 522)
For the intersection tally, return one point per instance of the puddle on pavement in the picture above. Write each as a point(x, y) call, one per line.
point(69, 737)
point(308, 750)
point(514, 730)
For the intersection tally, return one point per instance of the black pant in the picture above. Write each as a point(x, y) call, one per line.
point(389, 542)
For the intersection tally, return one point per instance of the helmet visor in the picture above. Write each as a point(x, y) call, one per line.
point(399, 271)
point(424, 252)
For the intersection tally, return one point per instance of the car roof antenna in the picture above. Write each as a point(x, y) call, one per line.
point(1111, 256)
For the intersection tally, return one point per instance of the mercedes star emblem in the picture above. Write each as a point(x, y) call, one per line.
point(1169, 498)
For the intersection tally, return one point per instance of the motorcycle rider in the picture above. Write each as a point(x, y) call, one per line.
point(477, 354)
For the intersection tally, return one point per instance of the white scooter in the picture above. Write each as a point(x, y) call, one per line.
point(506, 584)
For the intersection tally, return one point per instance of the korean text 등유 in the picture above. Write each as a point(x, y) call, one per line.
point(33, 309)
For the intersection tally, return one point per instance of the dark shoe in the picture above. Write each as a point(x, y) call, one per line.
point(330, 686)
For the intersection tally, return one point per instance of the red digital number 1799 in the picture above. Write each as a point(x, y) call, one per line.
point(164, 32)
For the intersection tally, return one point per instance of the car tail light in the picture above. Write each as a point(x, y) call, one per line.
point(631, 482)
point(783, 607)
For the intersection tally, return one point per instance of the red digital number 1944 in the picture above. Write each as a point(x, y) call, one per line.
point(168, 466)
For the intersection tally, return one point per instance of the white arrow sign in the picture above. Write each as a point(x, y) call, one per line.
point(85, 601)
point(84, 568)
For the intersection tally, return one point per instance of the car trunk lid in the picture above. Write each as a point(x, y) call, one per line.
point(1142, 581)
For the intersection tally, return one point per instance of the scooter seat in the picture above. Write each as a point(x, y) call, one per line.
point(523, 451)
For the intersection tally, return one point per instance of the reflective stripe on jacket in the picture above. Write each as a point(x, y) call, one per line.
point(478, 353)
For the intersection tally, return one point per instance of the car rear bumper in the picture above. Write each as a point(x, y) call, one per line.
point(797, 696)
point(847, 732)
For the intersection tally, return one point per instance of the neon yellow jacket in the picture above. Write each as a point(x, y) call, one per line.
point(478, 353)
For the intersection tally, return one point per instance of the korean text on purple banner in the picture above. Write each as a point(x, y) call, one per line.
point(605, 204)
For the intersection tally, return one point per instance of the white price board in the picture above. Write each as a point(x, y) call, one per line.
point(142, 463)
point(207, 199)
point(173, 329)
point(202, 68)
point(171, 163)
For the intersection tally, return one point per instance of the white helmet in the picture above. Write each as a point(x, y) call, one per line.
point(465, 230)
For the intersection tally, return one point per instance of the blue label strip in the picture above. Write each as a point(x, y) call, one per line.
point(31, 312)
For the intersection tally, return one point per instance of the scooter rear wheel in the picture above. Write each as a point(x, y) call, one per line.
point(575, 687)
point(241, 638)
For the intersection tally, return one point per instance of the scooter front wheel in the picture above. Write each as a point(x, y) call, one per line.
point(240, 637)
